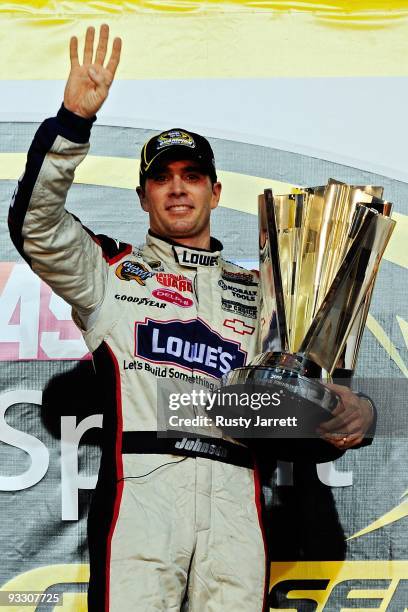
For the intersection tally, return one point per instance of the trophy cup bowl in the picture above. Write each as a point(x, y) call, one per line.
point(320, 250)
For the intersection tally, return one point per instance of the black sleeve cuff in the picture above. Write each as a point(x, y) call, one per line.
point(73, 127)
point(370, 433)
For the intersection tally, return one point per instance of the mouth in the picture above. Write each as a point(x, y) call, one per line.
point(179, 208)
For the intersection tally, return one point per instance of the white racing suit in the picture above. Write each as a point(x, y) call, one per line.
point(167, 524)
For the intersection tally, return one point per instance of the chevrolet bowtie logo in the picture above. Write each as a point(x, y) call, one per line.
point(239, 327)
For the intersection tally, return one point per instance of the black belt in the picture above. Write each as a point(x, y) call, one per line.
point(187, 445)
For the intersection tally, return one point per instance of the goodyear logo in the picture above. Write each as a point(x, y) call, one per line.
point(175, 137)
point(191, 345)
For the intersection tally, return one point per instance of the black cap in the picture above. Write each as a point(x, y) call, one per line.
point(177, 144)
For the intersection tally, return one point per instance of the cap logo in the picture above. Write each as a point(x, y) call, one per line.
point(175, 137)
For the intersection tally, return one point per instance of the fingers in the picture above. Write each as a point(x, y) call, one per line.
point(338, 422)
point(73, 51)
point(338, 440)
point(345, 410)
point(343, 441)
point(339, 409)
point(102, 44)
point(89, 42)
point(348, 420)
point(115, 56)
point(341, 390)
point(351, 424)
point(101, 50)
point(346, 427)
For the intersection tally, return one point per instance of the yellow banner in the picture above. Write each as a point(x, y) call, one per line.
point(192, 39)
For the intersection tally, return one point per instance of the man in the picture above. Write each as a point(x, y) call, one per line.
point(169, 521)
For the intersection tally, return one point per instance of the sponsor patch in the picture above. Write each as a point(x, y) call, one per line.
point(241, 278)
point(239, 327)
point(142, 301)
point(201, 446)
point(175, 281)
point(175, 137)
point(173, 297)
point(193, 259)
point(133, 270)
point(191, 345)
point(238, 292)
point(240, 309)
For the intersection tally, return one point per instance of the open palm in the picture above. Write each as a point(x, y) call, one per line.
point(88, 83)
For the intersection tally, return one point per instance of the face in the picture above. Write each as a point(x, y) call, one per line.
point(179, 198)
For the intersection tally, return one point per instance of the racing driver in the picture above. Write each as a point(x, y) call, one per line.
point(173, 522)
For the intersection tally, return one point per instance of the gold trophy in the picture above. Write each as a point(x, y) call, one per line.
point(320, 250)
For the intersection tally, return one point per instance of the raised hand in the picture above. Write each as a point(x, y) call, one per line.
point(88, 83)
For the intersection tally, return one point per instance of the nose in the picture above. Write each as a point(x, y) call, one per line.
point(177, 185)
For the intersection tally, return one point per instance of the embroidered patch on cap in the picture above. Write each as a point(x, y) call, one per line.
point(175, 137)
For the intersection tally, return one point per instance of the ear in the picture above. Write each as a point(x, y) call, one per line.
point(142, 198)
point(216, 193)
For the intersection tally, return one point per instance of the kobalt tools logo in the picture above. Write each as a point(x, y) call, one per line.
point(188, 344)
point(176, 281)
point(132, 270)
point(239, 326)
point(238, 292)
point(173, 297)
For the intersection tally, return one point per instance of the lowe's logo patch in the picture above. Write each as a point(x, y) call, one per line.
point(192, 345)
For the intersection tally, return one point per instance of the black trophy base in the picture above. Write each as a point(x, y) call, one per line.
point(285, 427)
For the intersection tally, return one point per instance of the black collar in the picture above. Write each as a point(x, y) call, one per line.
point(215, 245)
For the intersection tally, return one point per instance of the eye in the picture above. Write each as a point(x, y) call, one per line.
point(193, 176)
point(160, 178)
